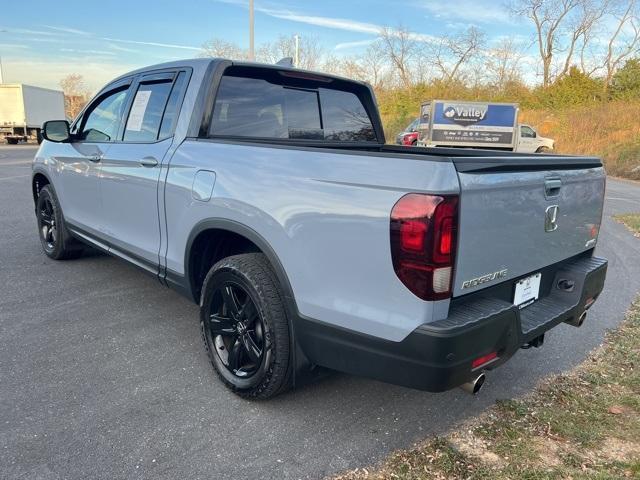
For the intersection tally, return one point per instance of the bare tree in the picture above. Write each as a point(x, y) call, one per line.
point(625, 39)
point(310, 52)
point(588, 15)
point(452, 52)
point(502, 63)
point(399, 47)
point(218, 48)
point(76, 94)
point(550, 18)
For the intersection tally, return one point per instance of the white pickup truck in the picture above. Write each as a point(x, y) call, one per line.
point(268, 196)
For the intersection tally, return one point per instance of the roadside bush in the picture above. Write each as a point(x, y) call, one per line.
point(626, 81)
point(576, 88)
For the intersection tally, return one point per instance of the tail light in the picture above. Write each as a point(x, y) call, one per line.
point(423, 242)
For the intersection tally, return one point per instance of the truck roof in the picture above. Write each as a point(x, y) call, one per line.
point(198, 64)
point(470, 102)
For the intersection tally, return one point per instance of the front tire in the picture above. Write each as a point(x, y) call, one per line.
point(543, 150)
point(244, 326)
point(56, 241)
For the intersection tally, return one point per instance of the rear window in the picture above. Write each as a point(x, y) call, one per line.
point(268, 108)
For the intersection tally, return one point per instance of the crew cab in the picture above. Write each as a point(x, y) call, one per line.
point(268, 196)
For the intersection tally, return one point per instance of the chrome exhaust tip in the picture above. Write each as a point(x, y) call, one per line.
point(582, 318)
point(474, 386)
point(577, 322)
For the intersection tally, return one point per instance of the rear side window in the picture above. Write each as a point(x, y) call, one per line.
point(145, 115)
point(261, 108)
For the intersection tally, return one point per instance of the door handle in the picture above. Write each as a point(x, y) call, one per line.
point(95, 158)
point(148, 162)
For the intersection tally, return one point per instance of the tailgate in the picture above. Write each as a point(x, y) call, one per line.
point(516, 222)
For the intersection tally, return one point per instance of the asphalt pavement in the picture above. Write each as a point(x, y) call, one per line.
point(103, 376)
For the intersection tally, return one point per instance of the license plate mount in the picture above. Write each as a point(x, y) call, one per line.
point(527, 290)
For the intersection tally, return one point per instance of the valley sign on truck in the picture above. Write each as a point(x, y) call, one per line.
point(468, 124)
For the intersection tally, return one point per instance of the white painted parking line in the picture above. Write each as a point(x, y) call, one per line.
point(16, 176)
point(13, 164)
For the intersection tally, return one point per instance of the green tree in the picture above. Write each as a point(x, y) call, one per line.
point(626, 81)
point(575, 88)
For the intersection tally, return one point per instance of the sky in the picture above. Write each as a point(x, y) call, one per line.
point(42, 41)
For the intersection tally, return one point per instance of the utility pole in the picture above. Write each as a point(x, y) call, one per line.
point(1, 72)
point(252, 56)
point(297, 55)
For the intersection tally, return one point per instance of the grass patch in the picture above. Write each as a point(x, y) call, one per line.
point(582, 425)
point(631, 220)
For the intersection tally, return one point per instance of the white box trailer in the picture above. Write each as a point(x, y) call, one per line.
point(24, 108)
point(449, 123)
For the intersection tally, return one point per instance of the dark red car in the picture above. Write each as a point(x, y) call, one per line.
point(409, 136)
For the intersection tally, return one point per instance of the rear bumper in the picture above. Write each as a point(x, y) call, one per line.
point(438, 356)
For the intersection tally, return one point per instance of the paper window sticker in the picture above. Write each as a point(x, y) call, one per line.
point(138, 109)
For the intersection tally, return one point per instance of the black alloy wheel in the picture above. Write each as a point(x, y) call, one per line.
point(244, 326)
point(56, 240)
point(47, 225)
point(237, 330)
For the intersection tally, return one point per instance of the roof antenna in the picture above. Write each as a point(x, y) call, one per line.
point(285, 62)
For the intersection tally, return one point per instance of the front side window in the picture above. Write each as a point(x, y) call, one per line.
point(413, 126)
point(102, 121)
point(145, 115)
point(259, 108)
point(527, 132)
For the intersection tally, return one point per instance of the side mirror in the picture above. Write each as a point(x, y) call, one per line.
point(56, 131)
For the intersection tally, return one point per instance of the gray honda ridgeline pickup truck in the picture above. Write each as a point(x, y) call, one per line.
point(268, 195)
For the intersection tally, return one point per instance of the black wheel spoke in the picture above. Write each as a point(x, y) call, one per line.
point(237, 328)
point(235, 352)
point(248, 313)
point(254, 353)
point(230, 301)
point(48, 224)
point(222, 325)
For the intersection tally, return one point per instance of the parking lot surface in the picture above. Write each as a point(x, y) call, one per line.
point(102, 374)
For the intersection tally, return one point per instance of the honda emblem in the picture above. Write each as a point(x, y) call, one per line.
point(551, 218)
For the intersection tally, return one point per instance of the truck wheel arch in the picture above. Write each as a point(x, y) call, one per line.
point(38, 181)
point(219, 230)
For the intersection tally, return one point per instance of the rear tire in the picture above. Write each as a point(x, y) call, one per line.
point(56, 240)
point(244, 326)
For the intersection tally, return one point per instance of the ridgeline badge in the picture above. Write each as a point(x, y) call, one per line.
point(489, 277)
point(464, 114)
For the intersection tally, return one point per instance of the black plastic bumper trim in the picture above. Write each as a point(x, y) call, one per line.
point(438, 356)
